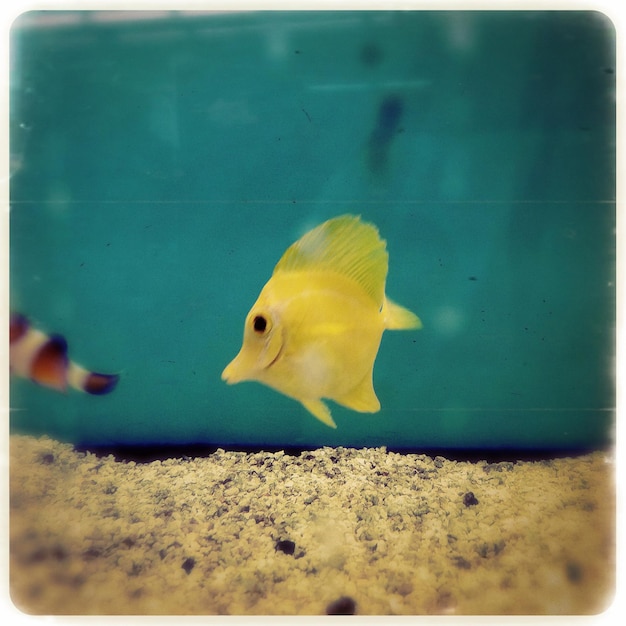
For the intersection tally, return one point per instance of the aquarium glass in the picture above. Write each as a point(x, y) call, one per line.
point(162, 163)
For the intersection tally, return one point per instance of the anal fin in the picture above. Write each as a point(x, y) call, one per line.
point(362, 398)
point(319, 410)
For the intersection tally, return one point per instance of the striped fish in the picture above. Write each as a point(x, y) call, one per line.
point(43, 358)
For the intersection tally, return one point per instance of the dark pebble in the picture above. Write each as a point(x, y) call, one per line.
point(469, 499)
point(503, 466)
point(342, 606)
point(285, 545)
point(91, 553)
point(46, 459)
point(43, 553)
point(59, 553)
point(574, 572)
point(188, 564)
point(461, 563)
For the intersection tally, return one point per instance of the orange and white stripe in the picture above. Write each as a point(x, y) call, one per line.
point(43, 358)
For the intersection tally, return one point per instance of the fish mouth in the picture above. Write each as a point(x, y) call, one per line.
point(232, 373)
point(229, 374)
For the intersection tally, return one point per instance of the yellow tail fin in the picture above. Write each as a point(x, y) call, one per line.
point(399, 318)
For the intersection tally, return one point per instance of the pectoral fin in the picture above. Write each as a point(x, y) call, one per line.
point(319, 410)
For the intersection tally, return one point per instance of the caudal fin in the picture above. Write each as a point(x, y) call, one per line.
point(399, 318)
point(90, 382)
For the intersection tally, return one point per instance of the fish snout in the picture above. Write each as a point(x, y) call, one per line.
point(227, 374)
point(232, 372)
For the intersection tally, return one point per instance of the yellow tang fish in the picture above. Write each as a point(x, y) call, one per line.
point(315, 328)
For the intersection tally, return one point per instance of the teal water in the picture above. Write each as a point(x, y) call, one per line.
point(162, 164)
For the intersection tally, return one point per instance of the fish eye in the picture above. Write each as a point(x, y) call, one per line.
point(259, 324)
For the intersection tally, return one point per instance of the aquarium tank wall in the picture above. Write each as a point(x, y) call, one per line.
point(162, 162)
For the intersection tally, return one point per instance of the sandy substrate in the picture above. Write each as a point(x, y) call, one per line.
point(332, 530)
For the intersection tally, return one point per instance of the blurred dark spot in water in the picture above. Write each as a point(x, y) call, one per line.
point(370, 54)
point(387, 127)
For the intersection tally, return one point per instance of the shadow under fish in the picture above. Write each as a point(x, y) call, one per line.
point(43, 359)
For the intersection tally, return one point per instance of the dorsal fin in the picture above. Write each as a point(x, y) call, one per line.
point(344, 245)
